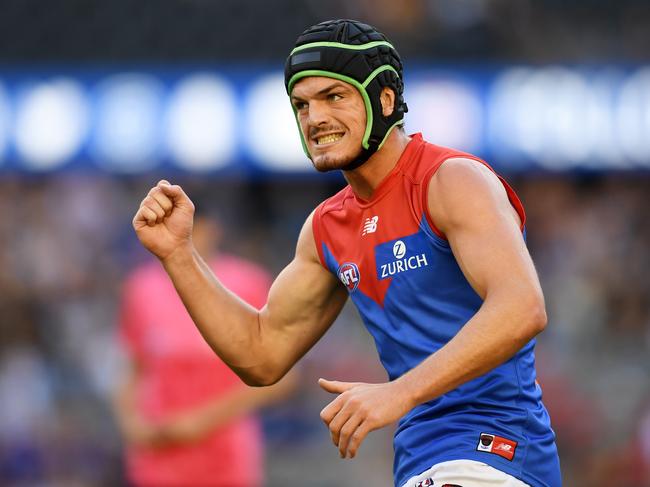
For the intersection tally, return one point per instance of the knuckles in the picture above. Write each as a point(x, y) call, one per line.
point(355, 402)
point(346, 434)
point(372, 418)
point(324, 415)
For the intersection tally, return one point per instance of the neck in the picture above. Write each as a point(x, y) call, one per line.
point(365, 179)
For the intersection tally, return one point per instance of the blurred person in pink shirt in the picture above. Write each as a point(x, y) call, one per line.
point(185, 416)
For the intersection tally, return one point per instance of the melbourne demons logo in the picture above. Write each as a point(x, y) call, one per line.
point(349, 275)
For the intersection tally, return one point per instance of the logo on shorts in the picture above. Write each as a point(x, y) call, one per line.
point(429, 483)
point(498, 445)
point(425, 483)
point(349, 275)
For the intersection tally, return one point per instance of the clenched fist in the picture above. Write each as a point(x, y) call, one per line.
point(163, 223)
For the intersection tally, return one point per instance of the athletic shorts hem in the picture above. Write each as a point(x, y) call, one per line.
point(462, 471)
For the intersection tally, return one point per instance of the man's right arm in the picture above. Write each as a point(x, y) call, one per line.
point(260, 346)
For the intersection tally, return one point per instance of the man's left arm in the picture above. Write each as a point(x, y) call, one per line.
point(470, 206)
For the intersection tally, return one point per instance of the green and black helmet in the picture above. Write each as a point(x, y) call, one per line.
point(360, 55)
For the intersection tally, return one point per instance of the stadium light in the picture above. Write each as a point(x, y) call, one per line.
point(633, 117)
point(553, 117)
point(271, 130)
point(446, 111)
point(51, 123)
point(127, 129)
point(200, 123)
point(5, 122)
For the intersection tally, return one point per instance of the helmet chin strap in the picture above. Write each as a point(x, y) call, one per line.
point(375, 145)
point(361, 159)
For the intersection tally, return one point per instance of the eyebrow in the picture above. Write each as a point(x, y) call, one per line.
point(327, 89)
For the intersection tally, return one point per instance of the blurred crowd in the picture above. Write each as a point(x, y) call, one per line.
point(589, 238)
point(240, 30)
point(66, 244)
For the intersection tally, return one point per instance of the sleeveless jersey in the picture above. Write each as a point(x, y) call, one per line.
point(413, 298)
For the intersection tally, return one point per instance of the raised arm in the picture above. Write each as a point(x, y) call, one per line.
point(260, 346)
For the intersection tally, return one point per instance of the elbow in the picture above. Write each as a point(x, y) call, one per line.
point(530, 319)
point(258, 381)
point(535, 320)
point(539, 320)
point(262, 377)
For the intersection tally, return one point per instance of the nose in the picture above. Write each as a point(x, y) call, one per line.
point(318, 114)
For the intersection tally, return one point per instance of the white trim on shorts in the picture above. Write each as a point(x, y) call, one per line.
point(466, 473)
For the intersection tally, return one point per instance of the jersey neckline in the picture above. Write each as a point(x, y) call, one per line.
point(392, 177)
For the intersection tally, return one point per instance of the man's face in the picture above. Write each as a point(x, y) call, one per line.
point(332, 118)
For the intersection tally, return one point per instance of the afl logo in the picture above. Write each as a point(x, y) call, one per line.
point(349, 275)
point(399, 249)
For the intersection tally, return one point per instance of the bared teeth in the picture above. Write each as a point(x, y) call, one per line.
point(329, 138)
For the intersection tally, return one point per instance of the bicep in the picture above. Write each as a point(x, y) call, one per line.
point(304, 301)
point(472, 208)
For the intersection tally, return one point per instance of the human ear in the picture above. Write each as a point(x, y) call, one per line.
point(387, 98)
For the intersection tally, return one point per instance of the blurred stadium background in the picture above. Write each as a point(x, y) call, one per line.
point(100, 99)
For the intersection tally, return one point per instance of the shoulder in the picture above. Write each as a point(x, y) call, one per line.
point(458, 172)
point(333, 203)
point(464, 188)
point(429, 158)
point(308, 248)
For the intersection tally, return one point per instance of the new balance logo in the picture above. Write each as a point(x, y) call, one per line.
point(370, 225)
point(498, 445)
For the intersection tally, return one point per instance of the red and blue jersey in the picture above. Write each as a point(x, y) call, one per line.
point(413, 298)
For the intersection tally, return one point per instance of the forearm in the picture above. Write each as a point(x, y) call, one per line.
point(242, 401)
point(228, 324)
point(493, 335)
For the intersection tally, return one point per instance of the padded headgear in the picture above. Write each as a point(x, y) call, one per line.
point(360, 55)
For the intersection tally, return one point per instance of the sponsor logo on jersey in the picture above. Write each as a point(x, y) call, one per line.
point(399, 249)
point(349, 275)
point(498, 445)
point(402, 255)
point(370, 225)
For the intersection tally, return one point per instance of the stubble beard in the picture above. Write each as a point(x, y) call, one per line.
point(326, 163)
